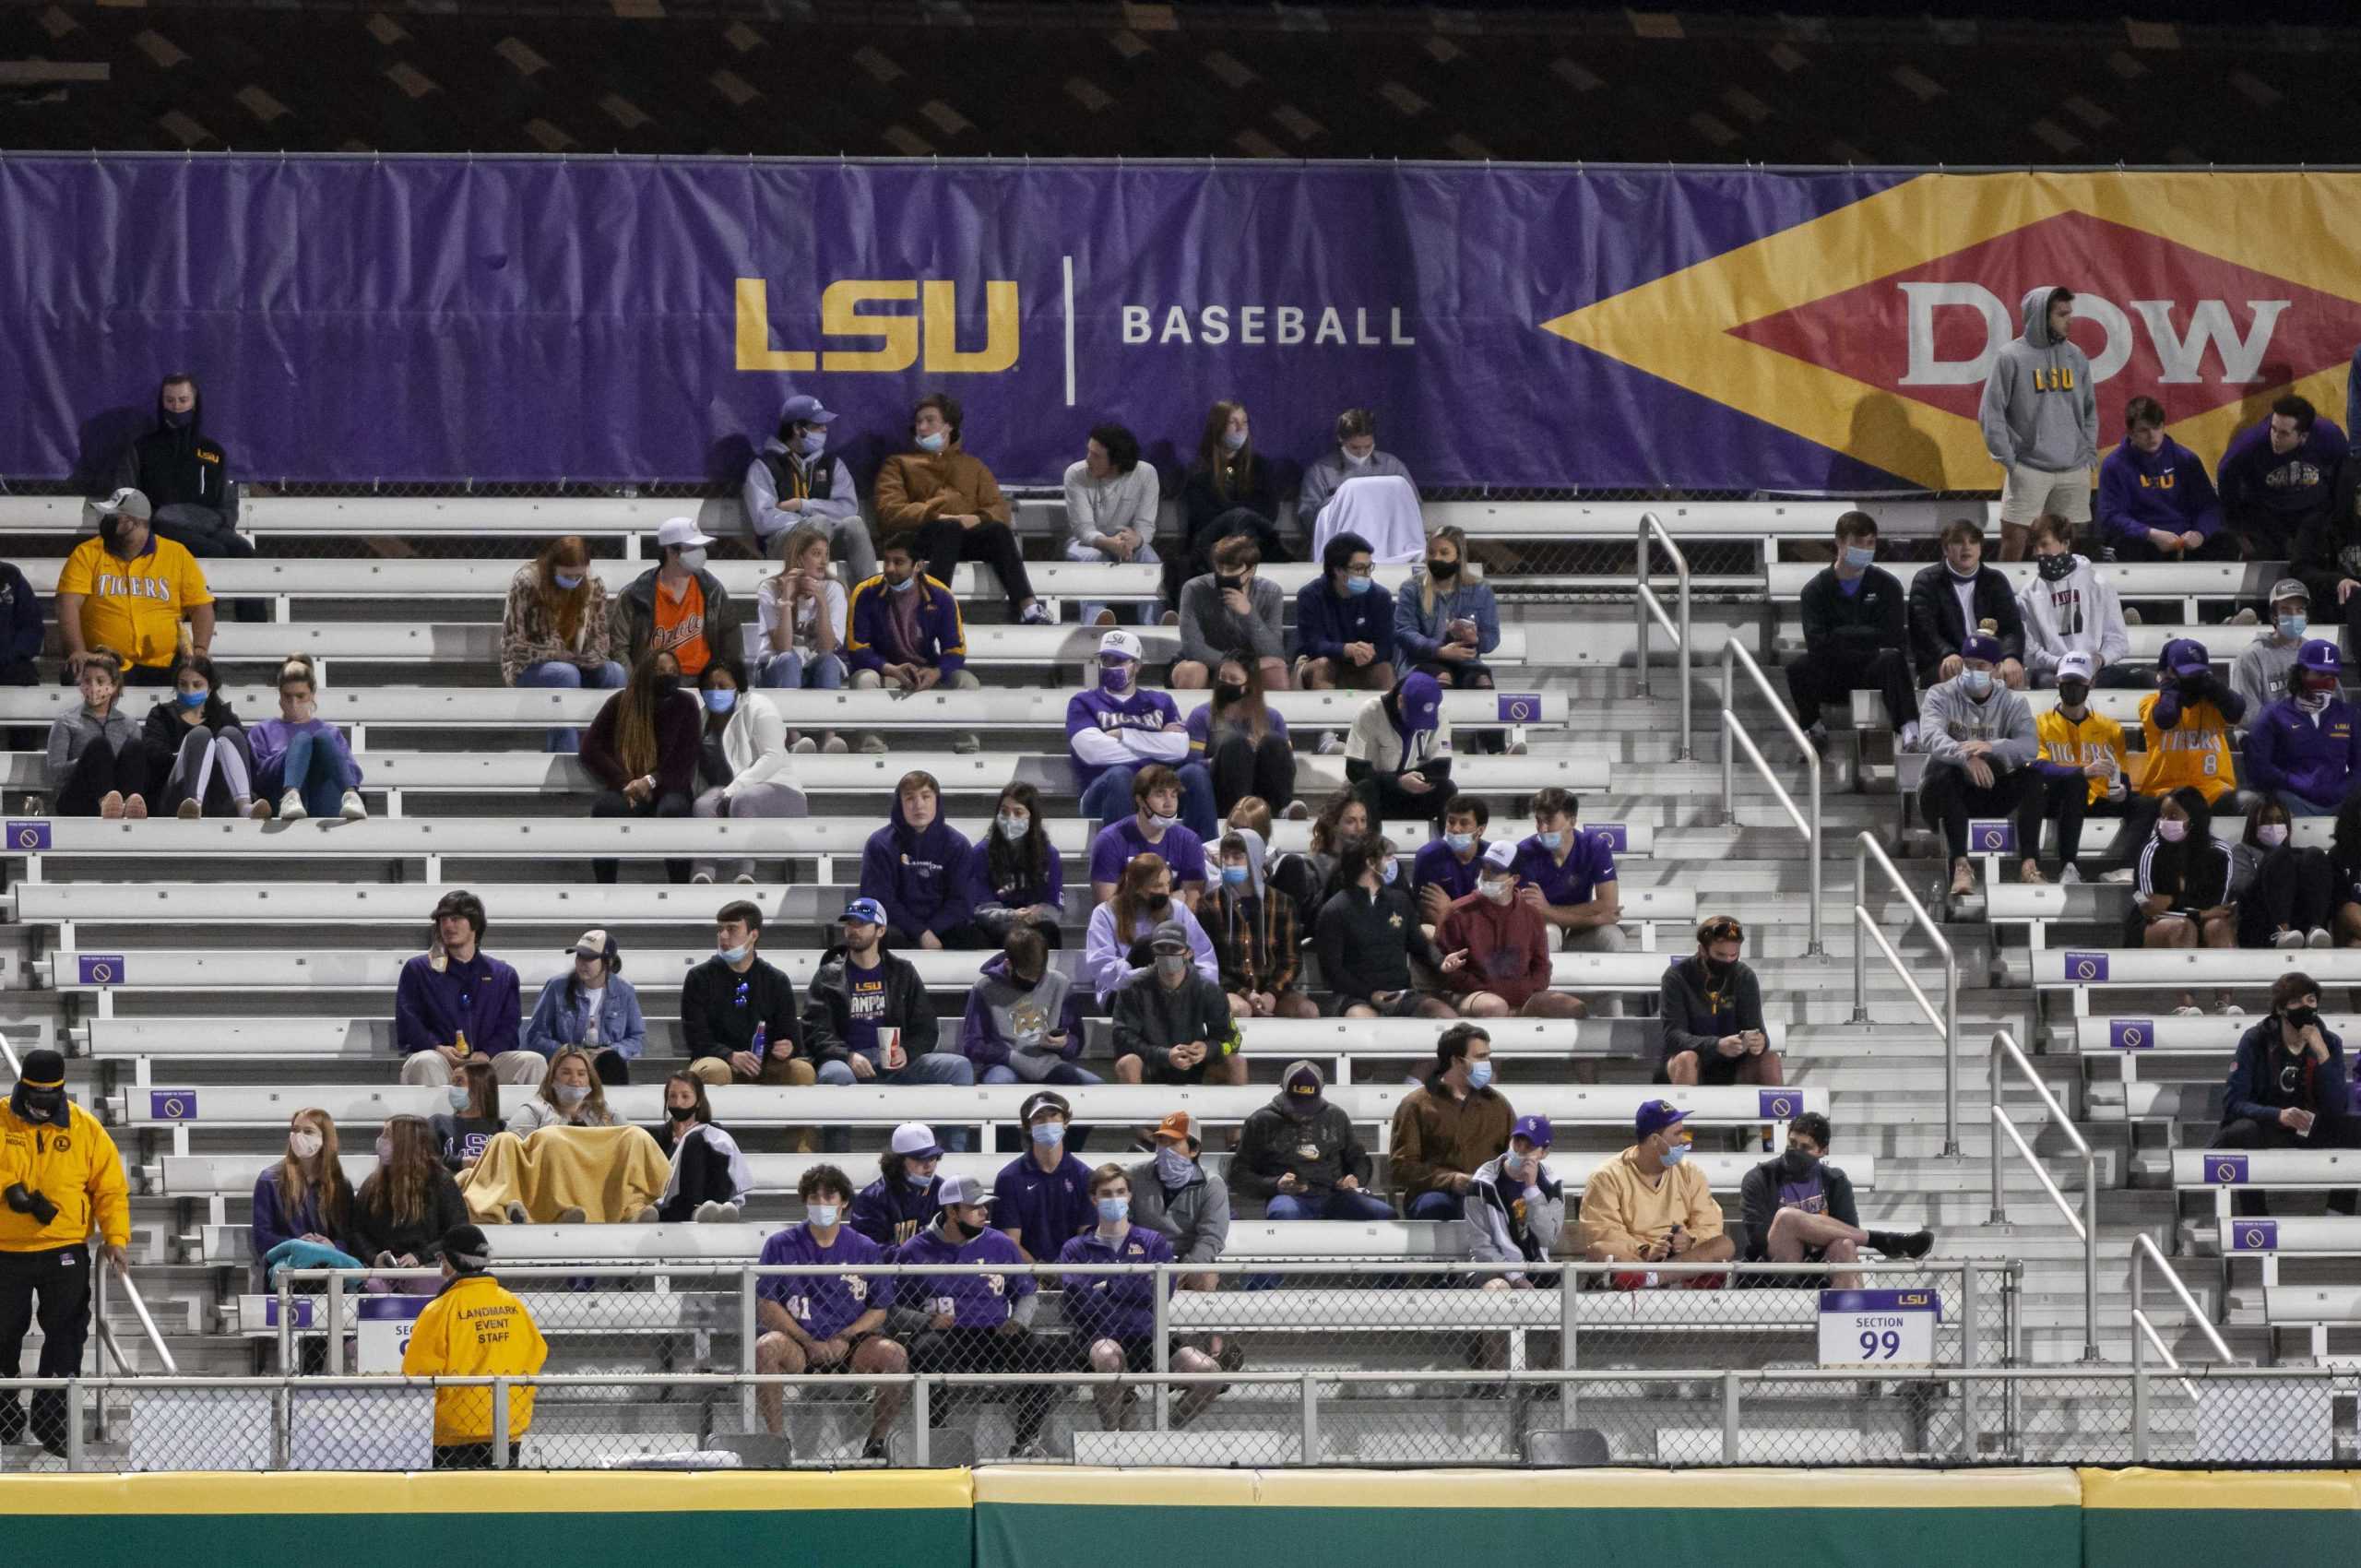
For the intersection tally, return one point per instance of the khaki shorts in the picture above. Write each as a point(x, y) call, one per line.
point(2029, 493)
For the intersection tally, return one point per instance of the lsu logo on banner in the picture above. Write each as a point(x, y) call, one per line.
point(898, 337)
point(1870, 331)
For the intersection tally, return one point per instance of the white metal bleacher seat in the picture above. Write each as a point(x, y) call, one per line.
point(2223, 1172)
point(2188, 580)
point(2079, 972)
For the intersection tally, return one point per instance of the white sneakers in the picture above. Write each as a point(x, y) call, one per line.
point(291, 806)
point(2070, 875)
point(350, 808)
point(2288, 941)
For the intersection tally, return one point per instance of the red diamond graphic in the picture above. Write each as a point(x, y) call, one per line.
point(2155, 316)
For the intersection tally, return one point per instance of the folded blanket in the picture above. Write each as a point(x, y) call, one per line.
point(609, 1174)
point(296, 1253)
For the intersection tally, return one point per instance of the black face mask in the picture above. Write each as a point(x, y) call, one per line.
point(41, 1105)
point(668, 687)
point(1230, 691)
point(680, 1113)
point(2301, 1018)
point(1797, 1165)
point(1443, 568)
point(2073, 693)
point(2055, 568)
point(1229, 584)
point(1158, 902)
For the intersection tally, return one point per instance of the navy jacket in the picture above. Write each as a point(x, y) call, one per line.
point(2265, 1079)
point(1324, 623)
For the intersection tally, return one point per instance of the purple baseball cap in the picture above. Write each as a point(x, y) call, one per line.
point(805, 408)
point(868, 911)
point(1655, 1116)
point(1421, 699)
point(1978, 646)
point(2320, 655)
point(2186, 655)
point(1535, 1129)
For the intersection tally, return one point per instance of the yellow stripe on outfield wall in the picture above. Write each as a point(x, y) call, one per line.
point(486, 1491)
point(2045, 1487)
point(2318, 1489)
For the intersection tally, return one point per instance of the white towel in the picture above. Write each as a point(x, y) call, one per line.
point(1382, 509)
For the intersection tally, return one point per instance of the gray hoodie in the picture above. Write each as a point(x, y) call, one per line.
point(2040, 411)
point(1949, 717)
point(1209, 631)
point(1196, 1219)
point(71, 732)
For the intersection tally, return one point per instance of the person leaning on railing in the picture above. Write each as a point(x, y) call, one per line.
point(474, 1327)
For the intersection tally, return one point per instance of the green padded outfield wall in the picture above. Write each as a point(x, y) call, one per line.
point(2221, 1518)
point(525, 1519)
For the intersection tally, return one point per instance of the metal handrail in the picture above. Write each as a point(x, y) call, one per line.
point(2086, 1225)
point(1946, 1023)
point(8, 1054)
point(1733, 734)
point(1646, 604)
point(2143, 1247)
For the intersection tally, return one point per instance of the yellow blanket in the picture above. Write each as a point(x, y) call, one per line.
point(609, 1174)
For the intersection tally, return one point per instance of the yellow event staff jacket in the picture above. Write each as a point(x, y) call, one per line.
point(75, 1167)
point(475, 1328)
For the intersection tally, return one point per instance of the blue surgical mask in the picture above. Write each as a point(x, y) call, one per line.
point(457, 1096)
point(905, 586)
point(1173, 1167)
point(2292, 626)
point(1675, 1154)
point(566, 581)
point(189, 699)
point(1459, 843)
point(720, 701)
point(823, 1216)
point(1479, 1074)
point(1235, 876)
point(736, 955)
point(1393, 869)
point(1112, 1211)
point(1549, 840)
point(934, 442)
point(571, 1094)
point(1977, 682)
point(916, 1182)
point(1860, 558)
point(1014, 827)
point(1359, 585)
point(1050, 1135)
point(1231, 440)
point(812, 443)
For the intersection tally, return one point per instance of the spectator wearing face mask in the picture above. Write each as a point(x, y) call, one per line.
point(1568, 877)
point(97, 762)
point(186, 474)
point(2285, 894)
point(1979, 738)
point(408, 1203)
point(1176, 1025)
point(2183, 892)
point(1115, 952)
point(1230, 489)
point(1447, 1127)
point(1855, 635)
point(642, 751)
point(1255, 937)
point(2258, 676)
point(980, 1321)
point(892, 1208)
point(743, 771)
point(1241, 743)
point(1398, 757)
point(834, 1321)
point(2185, 735)
point(1016, 878)
point(1366, 937)
point(2069, 607)
point(591, 1005)
point(556, 629)
point(128, 589)
point(2082, 765)
point(709, 1178)
point(868, 1018)
point(804, 610)
point(1495, 952)
point(1448, 868)
point(1300, 1158)
point(454, 1001)
point(1154, 827)
point(1514, 1208)
point(1710, 1009)
point(1113, 1315)
point(570, 1095)
point(1355, 456)
point(904, 633)
point(1651, 1204)
point(1175, 1195)
point(2289, 1087)
point(739, 1014)
point(914, 870)
point(302, 759)
point(1231, 609)
point(1344, 624)
point(460, 1131)
point(676, 606)
point(793, 483)
point(1959, 597)
point(1024, 1019)
point(944, 505)
point(566, 1158)
point(1111, 501)
point(303, 1196)
point(1800, 1208)
point(198, 758)
point(1444, 624)
point(2304, 750)
point(1041, 1199)
point(60, 1178)
point(1117, 733)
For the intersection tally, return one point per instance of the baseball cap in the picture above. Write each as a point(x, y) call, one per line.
point(1533, 1128)
point(1180, 1124)
point(962, 1190)
point(1421, 701)
point(465, 1250)
point(916, 1139)
point(868, 911)
point(1303, 1080)
point(126, 502)
point(1040, 1101)
point(1500, 854)
point(681, 531)
point(2186, 655)
point(1655, 1116)
point(1168, 938)
point(2076, 666)
point(1120, 645)
point(595, 943)
point(2290, 588)
point(805, 408)
point(1978, 646)
point(2319, 655)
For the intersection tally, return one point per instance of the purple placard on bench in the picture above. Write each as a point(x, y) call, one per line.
point(2254, 1236)
point(171, 1105)
point(28, 835)
point(1992, 838)
point(1779, 1105)
point(2130, 1034)
point(1614, 835)
point(2085, 969)
point(2225, 1170)
point(100, 969)
point(299, 1317)
point(1519, 707)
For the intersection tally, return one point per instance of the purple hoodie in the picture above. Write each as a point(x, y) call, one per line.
point(2168, 490)
point(916, 876)
point(2293, 487)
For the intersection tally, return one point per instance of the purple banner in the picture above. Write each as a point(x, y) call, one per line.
point(353, 320)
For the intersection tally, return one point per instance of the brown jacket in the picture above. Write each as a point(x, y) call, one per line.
point(1435, 1136)
point(918, 487)
point(529, 634)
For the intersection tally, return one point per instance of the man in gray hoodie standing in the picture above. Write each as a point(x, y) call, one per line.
point(2040, 416)
point(1979, 740)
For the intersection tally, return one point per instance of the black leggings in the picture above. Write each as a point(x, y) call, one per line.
point(1384, 798)
point(1241, 767)
point(705, 1178)
point(613, 802)
point(2294, 887)
point(945, 545)
point(103, 767)
point(1948, 796)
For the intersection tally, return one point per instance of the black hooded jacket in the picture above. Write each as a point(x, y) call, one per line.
point(178, 466)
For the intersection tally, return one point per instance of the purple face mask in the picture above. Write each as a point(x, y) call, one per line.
point(1115, 676)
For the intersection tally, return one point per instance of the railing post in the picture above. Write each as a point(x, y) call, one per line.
point(2090, 1256)
point(1815, 947)
point(500, 1423)
point(1967, 1360)
point(1642, 590)
point(1729, 1418)
point(1729, 741)
point(1950, 1059)
point(282, 1421)
point(286, 1325)
point(1860, 918)
point(1163, 1363)
point(2138, 1407)
point(1310, 1432)
point(76, 1459)
point(1688, 697)
point(748, 1332)
point(1992, 1096)
point(336, 1326)
point(921, 1422)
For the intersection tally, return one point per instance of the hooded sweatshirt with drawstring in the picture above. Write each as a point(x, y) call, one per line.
point(2075, 613)
point(916, 874)
point(1305, 1135)
point(178, 464)
point(2039, 409)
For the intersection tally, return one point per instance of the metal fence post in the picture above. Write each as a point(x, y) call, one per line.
point(75, 1457)
point(336, 1326)
point(1967, 1360)
point(286, 1324)
point(1729, 741)
point(282, 1420)
point(921, 1422)
point(500, 1423)
point(2139, 1410)
point(1729, 1417)
point(1163, 1364)
point(1311, 1418)
point(748, 1332)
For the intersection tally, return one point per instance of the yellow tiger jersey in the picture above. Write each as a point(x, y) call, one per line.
point(2194, 751)
point(2096, 739)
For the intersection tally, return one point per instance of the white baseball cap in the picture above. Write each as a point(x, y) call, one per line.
point(918, 1138)
point(681, 531)
point(2075, 666)
point(1500, 854)
point(1123, 645)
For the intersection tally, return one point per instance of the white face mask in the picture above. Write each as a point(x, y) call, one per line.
point(2172, 832)
point(571, 1094)
point(1162, 823)
point(693, 560)
point(1499, 892)
point(825, 1215)
point(1358, 462)
point(302, 1143)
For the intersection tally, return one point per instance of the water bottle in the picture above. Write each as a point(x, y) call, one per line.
point(762, 1045)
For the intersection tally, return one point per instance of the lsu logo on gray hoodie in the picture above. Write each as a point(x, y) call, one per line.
point(2039, 409)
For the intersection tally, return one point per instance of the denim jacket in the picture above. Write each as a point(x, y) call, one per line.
point(558, 1017)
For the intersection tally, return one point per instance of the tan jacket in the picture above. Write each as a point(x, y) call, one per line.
point(528, 634)
point(1622, 1210)
point(918, 487)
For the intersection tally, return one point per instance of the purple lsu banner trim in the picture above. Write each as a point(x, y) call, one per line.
point(2254, 1236)
point(1882, 1301)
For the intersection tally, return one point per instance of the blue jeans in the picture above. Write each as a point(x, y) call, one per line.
point(1145, 615)
point(788, 672)
point(1108, 801)
point(1336, 1206)
point(1435, 1205)
point(1064, 1075)
point(315, 769)
point(933, 1067)
point(2299, 806)
point(608, 677)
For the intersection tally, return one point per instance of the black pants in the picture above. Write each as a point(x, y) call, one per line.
point(1814, 679)
point(2294, 888)
point(611, 1065)
point(2332, 1130)
point(59, 1280)
point(2065, 800)
point(1385, 798)
point(2266, 535)
point(205, 533)
point(705, 1178)
point(104, 766)
point(943, 544)
point(1243, 767)
point(988, 1350)
point(968, 936)
point(470, 1455)
point(1949, 797)
point(612, 802)
point(23, 673)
